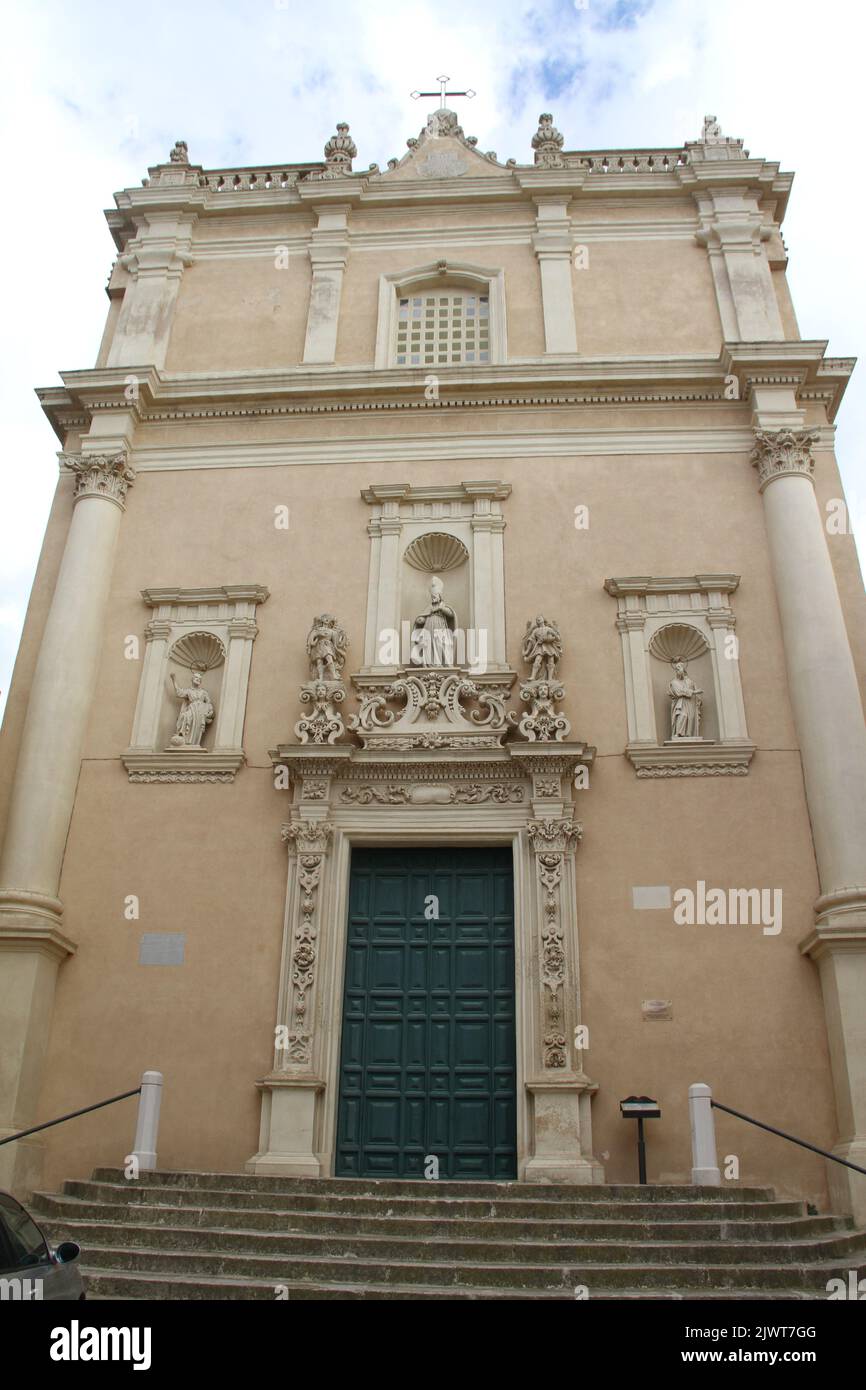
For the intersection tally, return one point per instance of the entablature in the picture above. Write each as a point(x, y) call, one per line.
point(150, 393)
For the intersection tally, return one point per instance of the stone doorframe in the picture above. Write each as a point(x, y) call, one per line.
point(519, 794)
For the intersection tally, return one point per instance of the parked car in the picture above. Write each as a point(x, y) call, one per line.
point(29, 1268)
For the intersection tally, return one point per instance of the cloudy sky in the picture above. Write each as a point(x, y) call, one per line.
point(92, 93)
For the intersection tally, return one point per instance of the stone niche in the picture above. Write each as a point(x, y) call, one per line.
point(189, 716)
point(450, 532)
point(684, 701)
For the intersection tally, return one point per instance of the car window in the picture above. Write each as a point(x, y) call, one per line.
point(23, 1236)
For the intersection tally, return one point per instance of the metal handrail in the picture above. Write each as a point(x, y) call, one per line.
point(717, 1105)
point(71, 1116)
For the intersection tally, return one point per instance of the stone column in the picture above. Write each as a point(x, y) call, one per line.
point(552, 243)
point(829, 717)
point(43, 793)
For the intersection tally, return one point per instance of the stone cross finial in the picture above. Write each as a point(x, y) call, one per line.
point(180, 153)
point(340, 150)
point(547, 143)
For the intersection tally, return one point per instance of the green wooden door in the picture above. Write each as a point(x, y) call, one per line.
point(428, 1045)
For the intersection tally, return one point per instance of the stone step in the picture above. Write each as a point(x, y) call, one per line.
point(232, 1236)
point(108, 1285)
point(379, 1187)
point(297, 1246)
point(324, 1270)
point(319, 1199)
point(66, 1209)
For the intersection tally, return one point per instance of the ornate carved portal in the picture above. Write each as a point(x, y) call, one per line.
point(437, 761)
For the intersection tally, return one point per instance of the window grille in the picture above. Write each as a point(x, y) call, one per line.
point(440, 329)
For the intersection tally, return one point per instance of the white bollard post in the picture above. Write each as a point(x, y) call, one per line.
point(705, 1169)
point(147, 1128)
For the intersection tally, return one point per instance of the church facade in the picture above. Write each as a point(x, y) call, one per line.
point(439, 712)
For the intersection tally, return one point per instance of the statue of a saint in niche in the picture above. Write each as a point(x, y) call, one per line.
point(542, 646)
point(196, 712)
point(685, 704)
point(326, 648)
point(433, 631)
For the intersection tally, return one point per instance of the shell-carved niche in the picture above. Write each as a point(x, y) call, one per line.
point(191, 704)
point(435, 552)
point(683, 684)
point(198, 651)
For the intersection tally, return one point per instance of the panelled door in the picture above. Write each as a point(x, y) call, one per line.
point(427, 1066)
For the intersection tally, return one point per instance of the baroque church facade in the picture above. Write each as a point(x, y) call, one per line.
point(439, 711)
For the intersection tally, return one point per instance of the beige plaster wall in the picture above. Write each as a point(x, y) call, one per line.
point(207, 860)
point(636, 295)
point(240, 311)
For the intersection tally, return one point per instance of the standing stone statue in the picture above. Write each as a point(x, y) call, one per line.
point(433, 631)
point(542, 646)
point(685, 704)
point(326, 648)
point(196, 712)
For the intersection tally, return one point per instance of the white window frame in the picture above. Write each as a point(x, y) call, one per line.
point(442, 276)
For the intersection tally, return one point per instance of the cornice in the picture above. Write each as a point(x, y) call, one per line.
point(582, 174)
point(566, 380)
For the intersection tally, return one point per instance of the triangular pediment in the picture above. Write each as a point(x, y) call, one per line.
point(442, 151)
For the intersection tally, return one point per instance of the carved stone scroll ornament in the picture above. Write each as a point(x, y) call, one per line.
point(419, 794)
point(437, 698)
point(326, 647)
point(308, 840)
point(100, 475)
point(551, 840)
point(542, 651)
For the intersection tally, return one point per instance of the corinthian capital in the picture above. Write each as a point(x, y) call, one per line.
point(557, 836)
point(780, 452)
point(307, 836)
point(100, 475)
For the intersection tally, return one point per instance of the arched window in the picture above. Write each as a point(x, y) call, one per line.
point(441, 315)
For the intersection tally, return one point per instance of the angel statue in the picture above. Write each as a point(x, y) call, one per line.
point(685, 704)
point(326, 648)
point(196, 712)
point(542, 646)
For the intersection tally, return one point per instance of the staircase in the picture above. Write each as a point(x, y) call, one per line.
point(227, 1236)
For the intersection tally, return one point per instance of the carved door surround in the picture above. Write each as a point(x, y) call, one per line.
point(519, 795)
